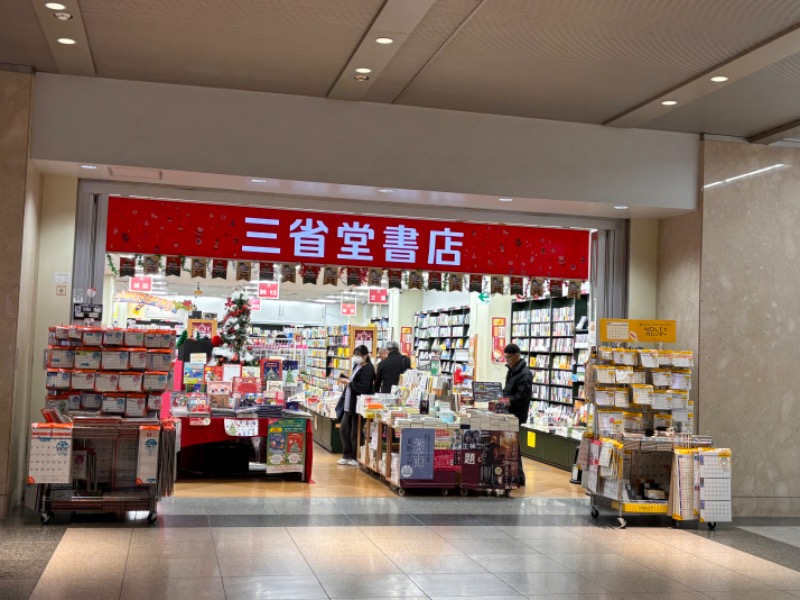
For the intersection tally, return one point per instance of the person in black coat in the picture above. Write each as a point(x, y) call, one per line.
point(519, 391)
point(361, 381)
point(390, 368)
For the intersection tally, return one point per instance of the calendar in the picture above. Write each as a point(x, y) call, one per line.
point(51, 453)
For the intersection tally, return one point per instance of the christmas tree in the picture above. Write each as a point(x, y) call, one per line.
point(233, 331)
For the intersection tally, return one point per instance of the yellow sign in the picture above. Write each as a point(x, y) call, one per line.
point(532, 439)
point(637, 331)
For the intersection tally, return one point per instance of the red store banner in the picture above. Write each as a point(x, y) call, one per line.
point(165, 227)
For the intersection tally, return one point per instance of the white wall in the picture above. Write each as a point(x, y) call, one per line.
point(56, 251)
point(230, 132)
point(434, 300)
point(643, 269)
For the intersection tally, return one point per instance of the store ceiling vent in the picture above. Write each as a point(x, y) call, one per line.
point(134, 173)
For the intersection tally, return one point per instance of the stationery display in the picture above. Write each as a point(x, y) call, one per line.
point(95, 371)
point(640, 455)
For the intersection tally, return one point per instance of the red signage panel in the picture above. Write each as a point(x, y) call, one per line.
point(166, 227)
point(269, 290)
point(348, 310)
point(141, 284)
point(255, 303)
point(379, 296)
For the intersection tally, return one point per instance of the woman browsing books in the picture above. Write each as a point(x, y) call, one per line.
point(361, 381)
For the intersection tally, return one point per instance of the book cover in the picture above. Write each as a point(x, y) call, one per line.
point(192, 375)
point(271, 369)
point(246, 385)
point(213, 373)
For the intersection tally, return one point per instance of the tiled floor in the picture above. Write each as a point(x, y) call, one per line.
point(389, 547)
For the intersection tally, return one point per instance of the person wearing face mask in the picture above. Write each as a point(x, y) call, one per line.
point(361, 381)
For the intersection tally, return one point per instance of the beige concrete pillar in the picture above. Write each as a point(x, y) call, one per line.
point(20, 200)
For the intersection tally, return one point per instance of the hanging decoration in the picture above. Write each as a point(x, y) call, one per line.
point(455, 282)
point(127, 267)
point(310, 274)
point(415, 280)
point(435, 282)
point(244, 270)
point(330, 275)
point(497, 284)
point(375, 277)
point(183, 264)
point(173, 266)
point(219, 269)
point(475, 283)
point(556, 288)
point(573, 289)
point(186, 305)
point(517, 287)
point(266, 271)
point(151, 264)
point(537, 288)
point(288, 274)
point(354, 276)
point(199, 267)
point(111, 266)
point(236, 346)
point(395, 279)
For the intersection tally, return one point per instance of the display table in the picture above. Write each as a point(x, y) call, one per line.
point(195, 435)
point(326, 431)
point(555, 450)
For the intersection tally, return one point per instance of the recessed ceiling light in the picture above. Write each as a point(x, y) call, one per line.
point(505, 199)
point(621, 207)
point(258, 180)
point(55, 6)
point(384, 40)
point(719, 78)
point(67, 41)
point(62, 16)
point(90, 167)
point(669, 102)
point(363, 70)
point(361, 77)
point(385, 191)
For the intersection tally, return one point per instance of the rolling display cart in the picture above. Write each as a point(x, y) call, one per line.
point(481, 461)
point(100, 468)
point(639, 456)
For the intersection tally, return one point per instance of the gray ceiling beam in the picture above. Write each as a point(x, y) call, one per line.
point(747, 63)
point(73, 59)
point(397, 20)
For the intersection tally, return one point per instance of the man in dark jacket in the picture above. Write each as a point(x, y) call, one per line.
point(390, 368)
point(519, 390)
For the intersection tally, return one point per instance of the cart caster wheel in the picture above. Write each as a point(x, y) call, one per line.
point(712, 526)
point(507, 494)
point(151, 518)
point(401, 492)
point(393, 487)
point(445, 492)
point(676, 524)
point(464, 493)
point(622, 523)
point(595, 513)
point(46, 518)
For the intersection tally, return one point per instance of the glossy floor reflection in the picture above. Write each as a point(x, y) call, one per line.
point(303, 545)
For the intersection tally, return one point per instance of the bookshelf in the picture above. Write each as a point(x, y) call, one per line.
point(317, 357)
point(547, 332)
point(382, 325)
point(443, 334)
point(338, 351)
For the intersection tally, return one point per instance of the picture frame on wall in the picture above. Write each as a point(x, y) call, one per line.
point(205, 327)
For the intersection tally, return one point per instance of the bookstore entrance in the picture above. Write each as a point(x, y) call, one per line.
point(268, 306)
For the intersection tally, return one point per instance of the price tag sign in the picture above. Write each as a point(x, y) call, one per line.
point(379, 296)
point(269, 290)
point(638, 331)
point(141, 284)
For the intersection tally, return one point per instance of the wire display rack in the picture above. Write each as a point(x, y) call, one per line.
point(107, 479)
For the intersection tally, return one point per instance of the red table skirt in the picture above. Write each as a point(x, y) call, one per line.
point(193, 435)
